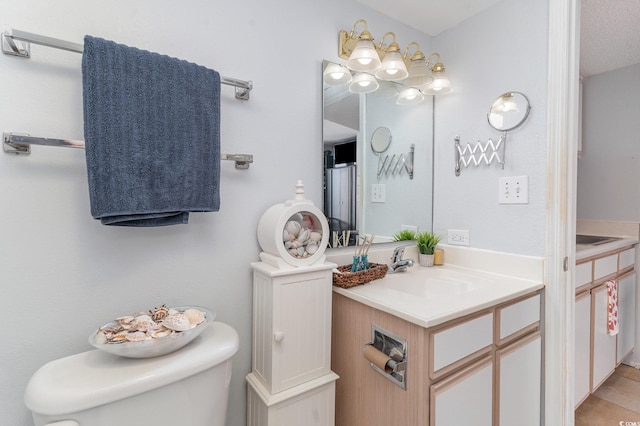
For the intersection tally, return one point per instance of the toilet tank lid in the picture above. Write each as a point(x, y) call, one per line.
point(94, 378)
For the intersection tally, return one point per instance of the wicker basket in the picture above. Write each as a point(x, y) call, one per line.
point(345, 278)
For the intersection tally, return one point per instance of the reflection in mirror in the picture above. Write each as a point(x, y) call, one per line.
point(509, 111)
point(380, 140)
point(350, 163)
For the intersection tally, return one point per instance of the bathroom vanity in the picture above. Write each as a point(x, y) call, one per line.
point(473, 344)
point(598, 353)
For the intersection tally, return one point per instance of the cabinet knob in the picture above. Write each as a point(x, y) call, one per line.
point(278, 336)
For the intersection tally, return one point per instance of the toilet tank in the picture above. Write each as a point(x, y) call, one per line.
point(94, 388)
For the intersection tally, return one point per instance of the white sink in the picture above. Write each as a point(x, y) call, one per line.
point(430, 296)
point(428, 287)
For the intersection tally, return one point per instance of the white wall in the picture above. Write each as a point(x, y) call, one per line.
point(503, 49)
point(609, 168)
point(62, 273)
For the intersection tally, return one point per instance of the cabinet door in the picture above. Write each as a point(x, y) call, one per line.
point(626, 315)
point(604, 345)
point(301, 330)
point(582, 372)
point(466, 398)
point(519, 366)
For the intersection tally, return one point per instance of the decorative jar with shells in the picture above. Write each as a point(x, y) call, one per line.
point(293, 233)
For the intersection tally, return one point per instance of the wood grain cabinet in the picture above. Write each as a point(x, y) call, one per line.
point(597, 353)
point(482, 369)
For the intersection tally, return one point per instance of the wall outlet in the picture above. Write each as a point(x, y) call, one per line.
point(513, 190)
point(378, 193)
point(458, 237)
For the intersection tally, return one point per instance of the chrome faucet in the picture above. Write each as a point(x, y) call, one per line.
point(398, 264)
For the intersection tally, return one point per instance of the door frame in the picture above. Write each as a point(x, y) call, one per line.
point(562, 148)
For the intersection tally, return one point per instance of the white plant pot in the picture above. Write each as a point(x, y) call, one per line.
point(425, 259)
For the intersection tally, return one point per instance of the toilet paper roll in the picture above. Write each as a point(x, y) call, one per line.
point(377, 358)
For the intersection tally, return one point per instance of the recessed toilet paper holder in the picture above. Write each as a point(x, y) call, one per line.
point(387, 353)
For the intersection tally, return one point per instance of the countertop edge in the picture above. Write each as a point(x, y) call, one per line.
point(442, 318)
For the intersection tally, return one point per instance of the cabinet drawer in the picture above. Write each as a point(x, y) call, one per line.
point(605, 266)
point(583, 274)
point(519, 318)
point(453, 344)
point(627, 258)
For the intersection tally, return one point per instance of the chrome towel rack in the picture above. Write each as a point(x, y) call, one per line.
point(17, 43)
point(20, 144)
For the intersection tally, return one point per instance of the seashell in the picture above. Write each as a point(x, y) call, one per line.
point(300, 251)
point(307, 221)
point(285, 235)
point(111, 328)
point(297, 217)
point(315, 236)
point(295, 244)
point(137, 336)
point(293, 227)
point(160, 333)
point(160, 313)
point(312, 248)
point(144, 322)
point(288, 244)
point(100, 338)
point(177, 322)
point(119, 337)
point(194, 316)
point(125, 322)
point(173, 311)
point(293, 252)
point(303, 235)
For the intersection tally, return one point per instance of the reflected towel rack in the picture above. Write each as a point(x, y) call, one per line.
point(17, 43)
point(14, 143)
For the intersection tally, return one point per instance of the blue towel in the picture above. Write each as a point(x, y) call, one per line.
point(152, 135)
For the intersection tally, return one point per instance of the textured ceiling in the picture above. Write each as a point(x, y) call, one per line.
point(610, 35)
point(610, 29)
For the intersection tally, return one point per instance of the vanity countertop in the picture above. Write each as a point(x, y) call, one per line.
point(428, 296)
point(584, 251)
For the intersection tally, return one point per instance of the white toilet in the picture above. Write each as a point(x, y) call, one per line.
point(186, 387)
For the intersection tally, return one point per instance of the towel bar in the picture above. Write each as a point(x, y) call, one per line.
point(23, 50)
point(14, 143)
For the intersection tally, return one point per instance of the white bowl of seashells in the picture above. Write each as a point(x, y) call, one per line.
point(156, 332)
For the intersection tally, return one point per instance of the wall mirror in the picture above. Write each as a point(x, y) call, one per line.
point(509, 111)
point(354, 135)
point(380, 140)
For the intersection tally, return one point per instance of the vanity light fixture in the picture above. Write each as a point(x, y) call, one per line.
point(419, 72)
point(336, 75)
point(388, 63)
point(362, 53)
point(392, 67)
point(440, 84)
point(409, 96)
point(363, 83)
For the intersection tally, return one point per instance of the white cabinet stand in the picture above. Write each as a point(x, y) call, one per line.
point(291, 382)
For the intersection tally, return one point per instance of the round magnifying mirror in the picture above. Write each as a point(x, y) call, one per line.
point(380, 140)
point(509, 111)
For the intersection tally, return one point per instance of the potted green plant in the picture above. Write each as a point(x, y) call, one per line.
point(426, 241)
point(404, 235)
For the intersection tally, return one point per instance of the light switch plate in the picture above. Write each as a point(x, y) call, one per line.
point(378, 193)
point(513, 190)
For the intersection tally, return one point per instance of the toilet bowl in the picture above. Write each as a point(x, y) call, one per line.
point(94, 388)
